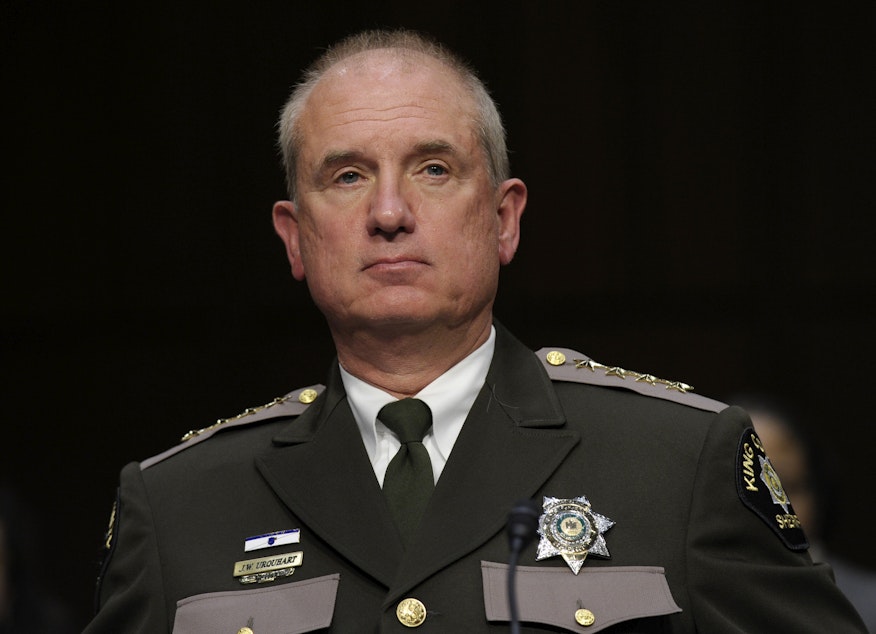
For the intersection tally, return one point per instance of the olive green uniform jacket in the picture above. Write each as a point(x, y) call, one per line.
point(686, 555)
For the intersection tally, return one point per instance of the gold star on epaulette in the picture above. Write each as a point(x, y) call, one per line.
point(678, 386)
point(650, 379)
point(590, 364)
point(247, 412)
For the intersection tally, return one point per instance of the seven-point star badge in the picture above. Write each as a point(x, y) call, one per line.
point(570, 528)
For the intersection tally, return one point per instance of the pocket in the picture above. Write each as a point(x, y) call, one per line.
point(554, 595)
point(303, 606)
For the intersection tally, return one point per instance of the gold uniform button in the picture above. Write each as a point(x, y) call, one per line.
point(584, 617)
point(411, 612)
point(245, 630)
point(555, 357)
point(307, 396)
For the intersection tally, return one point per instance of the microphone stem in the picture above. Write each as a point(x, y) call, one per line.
point(512, 593)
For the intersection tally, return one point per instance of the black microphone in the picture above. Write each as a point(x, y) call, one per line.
point(522, 527)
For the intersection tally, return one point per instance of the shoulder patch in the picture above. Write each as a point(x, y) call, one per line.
point(761, 491)
point(109, 548)
point(563, 364)
point(291, 404)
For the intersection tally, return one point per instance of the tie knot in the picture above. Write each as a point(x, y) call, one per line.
point(408, 418)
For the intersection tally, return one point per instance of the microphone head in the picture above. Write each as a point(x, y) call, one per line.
point(523, 523)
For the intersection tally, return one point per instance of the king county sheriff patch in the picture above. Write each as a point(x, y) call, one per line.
point(761, 490)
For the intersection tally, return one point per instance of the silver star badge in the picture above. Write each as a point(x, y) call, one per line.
point(571, 529)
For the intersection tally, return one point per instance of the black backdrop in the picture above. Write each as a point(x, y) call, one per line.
point(701, 208)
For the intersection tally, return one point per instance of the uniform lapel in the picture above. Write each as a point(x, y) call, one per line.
point(320, 470)
point(512, 440)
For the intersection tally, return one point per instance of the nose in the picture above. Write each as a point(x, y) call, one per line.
point(390, 211)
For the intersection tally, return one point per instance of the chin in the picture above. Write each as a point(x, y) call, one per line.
point(406, 310)
point(400, 320)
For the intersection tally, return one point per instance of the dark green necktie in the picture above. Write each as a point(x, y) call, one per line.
point(408, 482)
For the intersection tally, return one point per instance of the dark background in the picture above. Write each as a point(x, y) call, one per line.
point(701, 207)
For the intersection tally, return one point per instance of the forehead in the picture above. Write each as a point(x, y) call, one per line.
point(388, 88)
point(387, 68)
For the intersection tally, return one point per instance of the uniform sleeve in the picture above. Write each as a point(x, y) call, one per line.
point(743, 577)
point(130, 596)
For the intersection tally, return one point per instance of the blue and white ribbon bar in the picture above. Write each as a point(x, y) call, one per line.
point(278, 538)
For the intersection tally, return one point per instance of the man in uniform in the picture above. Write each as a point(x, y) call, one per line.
point(658, 509)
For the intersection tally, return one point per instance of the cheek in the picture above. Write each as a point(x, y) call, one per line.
point(480, 239)
point(325, 249)
point(313, 241)
point(475, 255)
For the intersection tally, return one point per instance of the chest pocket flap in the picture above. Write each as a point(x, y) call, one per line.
point(596, 597)
point(303, 606)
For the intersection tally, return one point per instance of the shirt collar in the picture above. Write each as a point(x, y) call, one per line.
point(450, 398)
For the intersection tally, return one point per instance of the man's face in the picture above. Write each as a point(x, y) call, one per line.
point(396, 224)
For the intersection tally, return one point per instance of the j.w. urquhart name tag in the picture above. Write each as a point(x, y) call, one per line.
point(267, 568)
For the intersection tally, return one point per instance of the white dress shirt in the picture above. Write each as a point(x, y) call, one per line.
point(450, 397)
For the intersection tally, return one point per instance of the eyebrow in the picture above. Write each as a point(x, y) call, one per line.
point(434, 147)
point(338, 157)
point(424, 148)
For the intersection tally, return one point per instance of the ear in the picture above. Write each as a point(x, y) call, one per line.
point(286, 225)
point(512, 202)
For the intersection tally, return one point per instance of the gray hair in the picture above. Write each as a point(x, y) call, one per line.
point(488, 121)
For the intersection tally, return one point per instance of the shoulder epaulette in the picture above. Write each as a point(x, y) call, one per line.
point(563, 364)
point(291, 404)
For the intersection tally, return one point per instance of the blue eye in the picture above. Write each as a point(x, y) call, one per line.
point(436, 170)
point(348, 178)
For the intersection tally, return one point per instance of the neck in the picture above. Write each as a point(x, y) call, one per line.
point(403, 361)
